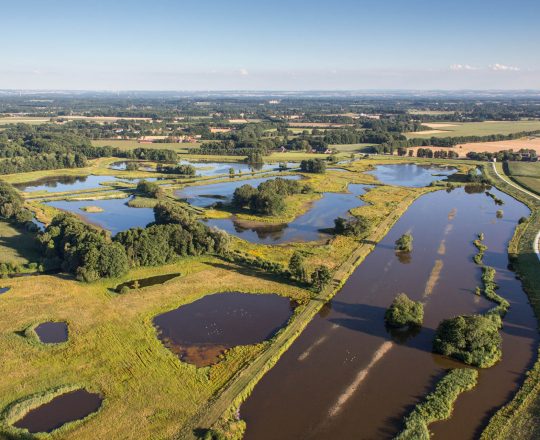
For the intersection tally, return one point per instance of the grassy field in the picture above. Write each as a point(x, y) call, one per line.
point(113, 347)
point(17, 246)
point(132, 144)
point(453, 129)
point(527, 174)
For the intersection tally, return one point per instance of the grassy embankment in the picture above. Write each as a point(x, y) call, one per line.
point(520, 418)
point(526, 174)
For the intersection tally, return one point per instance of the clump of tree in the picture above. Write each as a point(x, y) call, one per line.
point(132, 166)
point(176, 233)
point(352, 227)
point(12, 206)
point(182, 169)
point(474, 340)
point(404, 312)
point(149, 189)
point(313, 166)
point(297, 267)
point(82, 250)
point(320, 278)
point(404, 243)
point(268, 197)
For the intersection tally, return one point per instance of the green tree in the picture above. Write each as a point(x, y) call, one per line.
point(404, 312)
point(474, 340)
point(297, 266)
point(404, 243)
point(320, 277)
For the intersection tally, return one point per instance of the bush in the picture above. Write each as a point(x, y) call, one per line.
point(404, 243)
point(320, 278)
point(313, 166)
point(149, 189)
point(404, 312)
point(352, 227)
point(474, 340)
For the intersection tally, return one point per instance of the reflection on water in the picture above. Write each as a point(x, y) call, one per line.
point(62, 409)
point(215, 168)
point(410, 174)
point(201, 331)
point(71, 183)
point(306, 227)
point(117, 216)
point(368, 378)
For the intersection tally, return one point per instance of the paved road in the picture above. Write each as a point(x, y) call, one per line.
point(537, 238)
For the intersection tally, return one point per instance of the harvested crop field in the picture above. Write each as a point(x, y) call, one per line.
point(456, 129)
point(492, 147)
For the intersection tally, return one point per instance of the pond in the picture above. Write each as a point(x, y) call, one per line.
point(117, 216)
point(346, 376)
point(64, 408)
point(121, 166)
point(52, 332)
point(216, 168)
point(71, 183)
point(204, 196)
point(146, 282)
point(4, 289)
point(307, 227)
point(201, 331)
point(410, 174)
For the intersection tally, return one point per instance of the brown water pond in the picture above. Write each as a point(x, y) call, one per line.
point(146, 282)
point(64, 408)
point(52, 332)
point(346, 376)
point(201, 331)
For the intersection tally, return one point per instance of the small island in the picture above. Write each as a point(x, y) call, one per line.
point(92, 209)
point(404, 312)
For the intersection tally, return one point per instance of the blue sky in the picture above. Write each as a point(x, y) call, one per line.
point(270, 45)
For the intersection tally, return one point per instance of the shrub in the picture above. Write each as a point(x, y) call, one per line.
point(474, 340)
point(313, 166)
point(404, 312)
point(404, 243)
point(320, 278)
point(149, 189)
point(352, 227)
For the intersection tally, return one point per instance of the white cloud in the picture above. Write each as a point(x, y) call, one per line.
point(503, 67)
point(457, 67)
point(243, 72)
